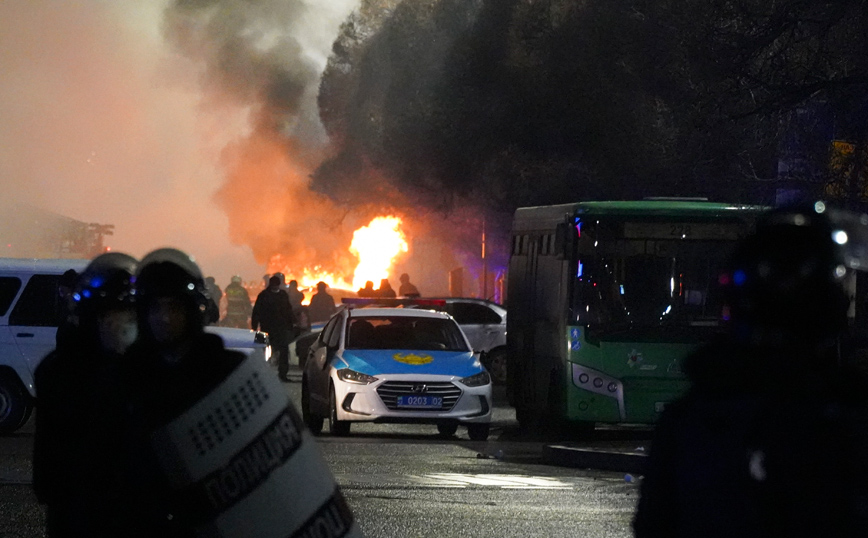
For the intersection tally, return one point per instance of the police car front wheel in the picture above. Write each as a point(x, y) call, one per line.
point(336, 427)
point(313, 422)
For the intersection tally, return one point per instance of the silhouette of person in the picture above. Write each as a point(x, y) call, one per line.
point(296, 297)
point(238, 306)
point(368, 290)
point(77, 462)
point(386, 289)
point(322, 305)
point(272, 314)
point(407, 289)
point(770, 438)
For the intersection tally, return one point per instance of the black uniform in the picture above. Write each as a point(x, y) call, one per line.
point(159, 392)
point(272, 314)
point(77, 468)
point(764, 444)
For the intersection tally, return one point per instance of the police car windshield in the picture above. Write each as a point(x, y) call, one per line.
point(415, 333)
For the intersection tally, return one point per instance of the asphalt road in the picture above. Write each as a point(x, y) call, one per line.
point(403, 480)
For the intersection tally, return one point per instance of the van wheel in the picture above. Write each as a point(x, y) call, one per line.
point(478, 432)
point(313, 422)
point(336, 427)
point(15, 406)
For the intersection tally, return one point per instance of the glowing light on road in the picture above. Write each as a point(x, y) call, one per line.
point(377, 245)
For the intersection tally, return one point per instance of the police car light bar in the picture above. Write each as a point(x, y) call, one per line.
point(391, 302)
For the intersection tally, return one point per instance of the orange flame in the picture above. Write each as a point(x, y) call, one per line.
point(377, 245)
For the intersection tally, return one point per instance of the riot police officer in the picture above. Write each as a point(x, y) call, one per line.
point(77, 472)
point(217, 449)
point(172, 365)
point(770, 439)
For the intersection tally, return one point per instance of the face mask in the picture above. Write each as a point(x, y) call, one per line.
point(118, 330)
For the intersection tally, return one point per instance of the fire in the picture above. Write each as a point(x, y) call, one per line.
point(377, 245)
point(313, 276)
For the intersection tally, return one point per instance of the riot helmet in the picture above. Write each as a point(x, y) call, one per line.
point(169, 273)
point(104, 302)
point(786, 283)
point(236, 279)
point(106, 283)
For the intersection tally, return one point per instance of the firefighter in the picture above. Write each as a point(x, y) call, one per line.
point(238, 306)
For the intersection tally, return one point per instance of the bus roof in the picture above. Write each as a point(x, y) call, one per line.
point(662, 208)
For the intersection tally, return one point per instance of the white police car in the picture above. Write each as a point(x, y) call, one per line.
point(395, 365)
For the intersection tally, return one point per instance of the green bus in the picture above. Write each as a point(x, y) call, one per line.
point(605, 299)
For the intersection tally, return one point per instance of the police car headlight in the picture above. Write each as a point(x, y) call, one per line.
point(478, 380)
point(352, 376)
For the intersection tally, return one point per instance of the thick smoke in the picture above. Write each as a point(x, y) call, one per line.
point(98, 123)
point(267, 56)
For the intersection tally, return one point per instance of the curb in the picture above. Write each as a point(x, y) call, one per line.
point(565, 456)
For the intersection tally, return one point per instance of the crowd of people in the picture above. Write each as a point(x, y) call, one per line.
point(407, 289)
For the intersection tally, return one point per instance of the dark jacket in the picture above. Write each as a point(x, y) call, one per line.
point(159, 392)
point(77, 468)
point(272, 314)
point(766, 443)
point(322, 307)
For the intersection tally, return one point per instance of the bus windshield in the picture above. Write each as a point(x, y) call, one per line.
point(635, 278)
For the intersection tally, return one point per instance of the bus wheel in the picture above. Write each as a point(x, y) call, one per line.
point(580, 429)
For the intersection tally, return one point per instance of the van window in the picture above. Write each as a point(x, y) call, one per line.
point(39, 305)
point(9, 286)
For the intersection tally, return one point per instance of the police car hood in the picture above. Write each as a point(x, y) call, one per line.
point(403, 361)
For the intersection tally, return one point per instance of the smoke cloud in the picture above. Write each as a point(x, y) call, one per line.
point(191, 124)
point(99, 122)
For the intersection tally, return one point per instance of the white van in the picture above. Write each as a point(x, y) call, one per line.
point(29, 312)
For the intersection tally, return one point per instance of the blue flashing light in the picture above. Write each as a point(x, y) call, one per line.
point(76, 297)
point(86, 294)
point(622, 289)
point(581, 270)
point(96, 282)
point(739, 277)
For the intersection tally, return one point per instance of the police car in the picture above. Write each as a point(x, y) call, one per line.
point(397, 365)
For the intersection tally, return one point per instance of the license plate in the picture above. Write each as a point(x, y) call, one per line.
point(421, 402)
